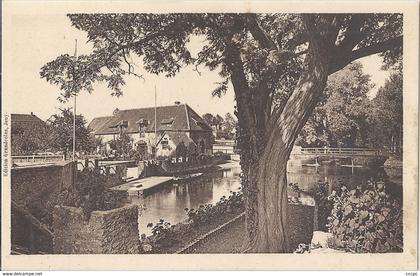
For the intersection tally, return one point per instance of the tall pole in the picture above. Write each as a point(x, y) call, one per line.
point(74, 111)
point(155, 127)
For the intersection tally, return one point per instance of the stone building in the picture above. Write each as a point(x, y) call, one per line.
point(177, 129)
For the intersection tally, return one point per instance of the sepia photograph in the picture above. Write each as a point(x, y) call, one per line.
point(235, 133)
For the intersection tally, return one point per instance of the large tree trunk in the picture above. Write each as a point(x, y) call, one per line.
point(266, 140)
point(270, 173)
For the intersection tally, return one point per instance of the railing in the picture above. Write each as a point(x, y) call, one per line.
point(36, 158)
point(341, 151)
point(231, 143)
point(89, 156)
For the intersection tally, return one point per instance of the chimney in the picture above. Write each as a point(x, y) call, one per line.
point(32, 114)
point(177, 103)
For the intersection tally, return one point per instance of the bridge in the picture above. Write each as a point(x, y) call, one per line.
point(357, 156)
point(340, 152)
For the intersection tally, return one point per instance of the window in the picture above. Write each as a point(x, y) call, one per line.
point(165, 143)
point(167, 121)
point(142, 131)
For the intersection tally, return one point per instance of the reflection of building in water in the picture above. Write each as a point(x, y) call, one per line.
point(200, 191)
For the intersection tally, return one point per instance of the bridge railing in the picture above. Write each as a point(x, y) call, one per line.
point(341, 151)
point(36, 158)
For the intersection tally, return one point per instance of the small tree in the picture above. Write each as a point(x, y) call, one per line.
point(62, 132)
point(123, 146)
point(229, 126)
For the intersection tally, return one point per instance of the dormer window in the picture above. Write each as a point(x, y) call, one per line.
point(167, 121)
point(143, 122)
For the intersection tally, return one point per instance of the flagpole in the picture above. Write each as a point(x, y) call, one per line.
point(155, 127)
point(74, 113)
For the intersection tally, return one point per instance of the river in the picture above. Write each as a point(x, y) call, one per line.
point(169, 201)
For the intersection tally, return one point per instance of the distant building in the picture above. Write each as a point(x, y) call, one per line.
point(224, 146)
point(27, 134)
point(178, 130)
point(22, 122)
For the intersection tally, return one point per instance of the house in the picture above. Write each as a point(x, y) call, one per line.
point(27, 134)
point(177, 130)
point(22, 122)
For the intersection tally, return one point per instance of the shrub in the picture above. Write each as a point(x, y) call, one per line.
point(163, 234)
point(367, 221)
point(90, 193)
point(209, 212)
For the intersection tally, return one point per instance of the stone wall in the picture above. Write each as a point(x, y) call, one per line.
point(300, 220)
point(39, 188)
point(106, 232)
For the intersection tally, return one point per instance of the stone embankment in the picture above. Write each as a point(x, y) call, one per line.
point(105, 232)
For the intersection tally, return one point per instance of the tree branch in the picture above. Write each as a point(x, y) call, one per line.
point(353, 34)
point(341, 61)
point(258, 33)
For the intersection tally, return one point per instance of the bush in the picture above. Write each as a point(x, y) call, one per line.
point(210, 212)
point(163, 234)
point(91, 194)
point(367, 221)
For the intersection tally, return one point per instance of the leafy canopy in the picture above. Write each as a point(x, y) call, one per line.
point(273, 47)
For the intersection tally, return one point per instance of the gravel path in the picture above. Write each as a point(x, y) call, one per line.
point(229, 241)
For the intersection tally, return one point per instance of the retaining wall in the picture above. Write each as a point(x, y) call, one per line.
point(106, 232)
point(300, 222)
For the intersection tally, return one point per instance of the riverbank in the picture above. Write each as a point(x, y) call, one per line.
point(182, 234)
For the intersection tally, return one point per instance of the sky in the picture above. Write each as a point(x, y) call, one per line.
point(37, 40)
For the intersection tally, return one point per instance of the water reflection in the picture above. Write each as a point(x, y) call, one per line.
point(337, 176)
point(169, 201)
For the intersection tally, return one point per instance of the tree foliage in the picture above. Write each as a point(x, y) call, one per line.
point(225, 127)
point(386, 118)
point(62, 132)
point(341, 117)
point(122, 146)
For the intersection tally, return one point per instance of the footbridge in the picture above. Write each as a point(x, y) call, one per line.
point(340, 152)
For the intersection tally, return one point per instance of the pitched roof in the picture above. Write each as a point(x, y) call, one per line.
point(173, 118)
point(179, 137)
point(98, 122)
point(25, 120)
